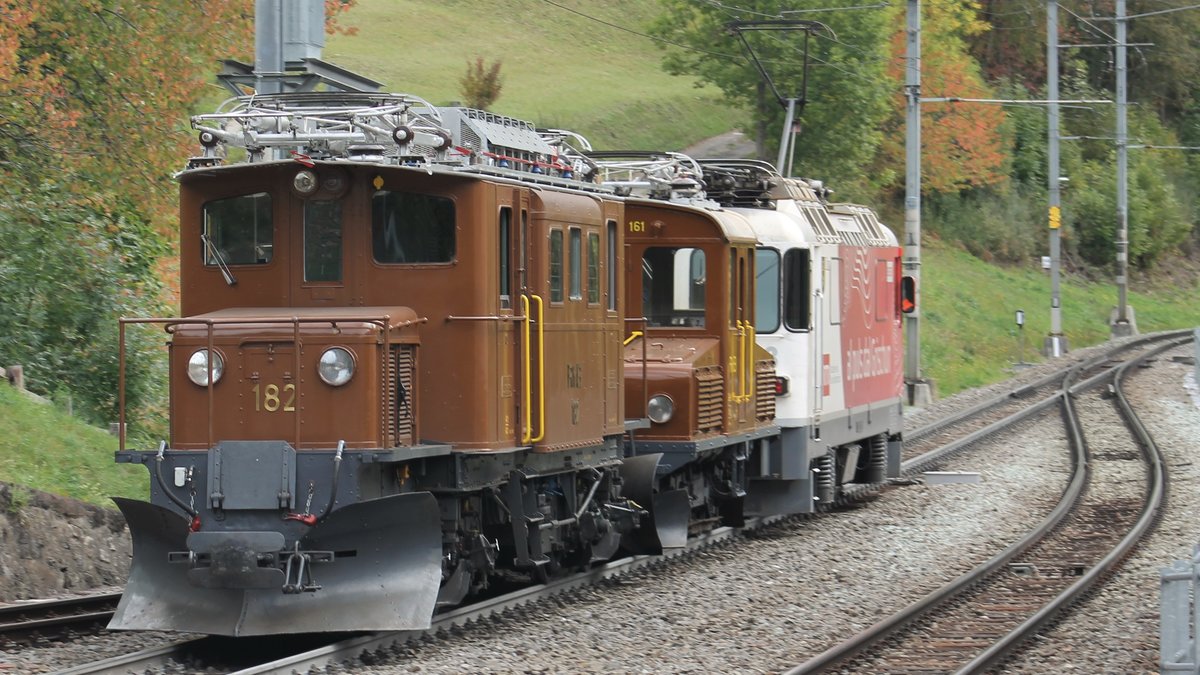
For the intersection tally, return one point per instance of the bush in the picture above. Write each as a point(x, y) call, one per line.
point(69, 269)
point(1003, 226)
point(481, 86)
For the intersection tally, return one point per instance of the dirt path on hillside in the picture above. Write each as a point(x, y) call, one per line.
point(729, 145)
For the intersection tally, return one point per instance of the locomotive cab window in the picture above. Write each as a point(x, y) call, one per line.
point(505, 234)
point(797, 289)
point(322, 241)
point(556, 266)
point(673, 285)
point(410, 228)
point(576, 254)
point(611, 263)
point(238, 230)
point(766, 290)
point(593, 262)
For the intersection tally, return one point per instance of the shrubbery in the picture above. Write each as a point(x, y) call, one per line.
point(69, 270)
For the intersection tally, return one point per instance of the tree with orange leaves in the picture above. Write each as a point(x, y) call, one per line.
point(94, 97)
point(962, 144)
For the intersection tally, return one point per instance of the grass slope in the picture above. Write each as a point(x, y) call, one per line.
point(44, 448)
point(559, 68)
point(968, 330)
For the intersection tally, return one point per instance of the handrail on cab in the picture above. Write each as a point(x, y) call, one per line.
point(645, 325)
point(527, 435)
point(169, 324)
point(745, 385)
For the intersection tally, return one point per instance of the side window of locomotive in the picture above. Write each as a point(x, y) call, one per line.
point(673, 285)
point(556, 266)
point(767, 290)
point(576, 260)
point(611, 262)
point(593, 264)
point(504, 244)
point(797, 289)
point(238, 230)
point(322, 240)
point(410, 228)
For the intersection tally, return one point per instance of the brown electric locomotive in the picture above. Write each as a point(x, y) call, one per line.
point(399, 369)
point(693, 366)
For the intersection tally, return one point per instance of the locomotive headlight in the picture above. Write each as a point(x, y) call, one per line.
point(659, 408)
point(305, 183)
point(336, 366)
point(197, 367)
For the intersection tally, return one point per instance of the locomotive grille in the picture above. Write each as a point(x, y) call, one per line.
point(399, 403)
point(709, 399)
point(764, 390)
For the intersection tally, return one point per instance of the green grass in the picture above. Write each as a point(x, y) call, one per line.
point(968, 331)
point(43, 448)
point(559, 69)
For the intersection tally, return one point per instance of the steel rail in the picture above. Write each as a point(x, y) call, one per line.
point(136, 662)
point(1026, 389)
point(1151, 506)
point(30, 616)
point(161, 657)
point(880, 630)
point(884, 628)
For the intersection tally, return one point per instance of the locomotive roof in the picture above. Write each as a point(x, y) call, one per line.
point(397, 316)
point(729, 225)
point(392, 130)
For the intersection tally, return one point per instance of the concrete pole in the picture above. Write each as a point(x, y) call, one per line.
point(1056, 343)
point(1122, 322)
point(920, 391)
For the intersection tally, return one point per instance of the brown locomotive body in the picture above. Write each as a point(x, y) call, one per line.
point(694, 367)
point(472, 349)
point(425, 347)
point(699, 345)
point(419, 343)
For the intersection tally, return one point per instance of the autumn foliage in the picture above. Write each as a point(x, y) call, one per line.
point(962, 144)
point(94, 101)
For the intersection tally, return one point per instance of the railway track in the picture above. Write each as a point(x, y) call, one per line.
point(54, 619)
point(979, 619)
point(947, 435)
point(201, 654)
point(208, 653)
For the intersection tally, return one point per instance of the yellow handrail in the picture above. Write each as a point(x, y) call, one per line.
point(745, 361)
point(632, 336)
point(527, 435)
point(748, 369)
point(740, 361)
point(541, 372)
point(527, 392)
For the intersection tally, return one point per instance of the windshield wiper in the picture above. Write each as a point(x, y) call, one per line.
point(215, 254)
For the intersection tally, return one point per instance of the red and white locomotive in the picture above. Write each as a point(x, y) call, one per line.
point(423, 347)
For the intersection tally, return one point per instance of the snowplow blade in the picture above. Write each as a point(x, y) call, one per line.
point(669, 511)
point(384, 576)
